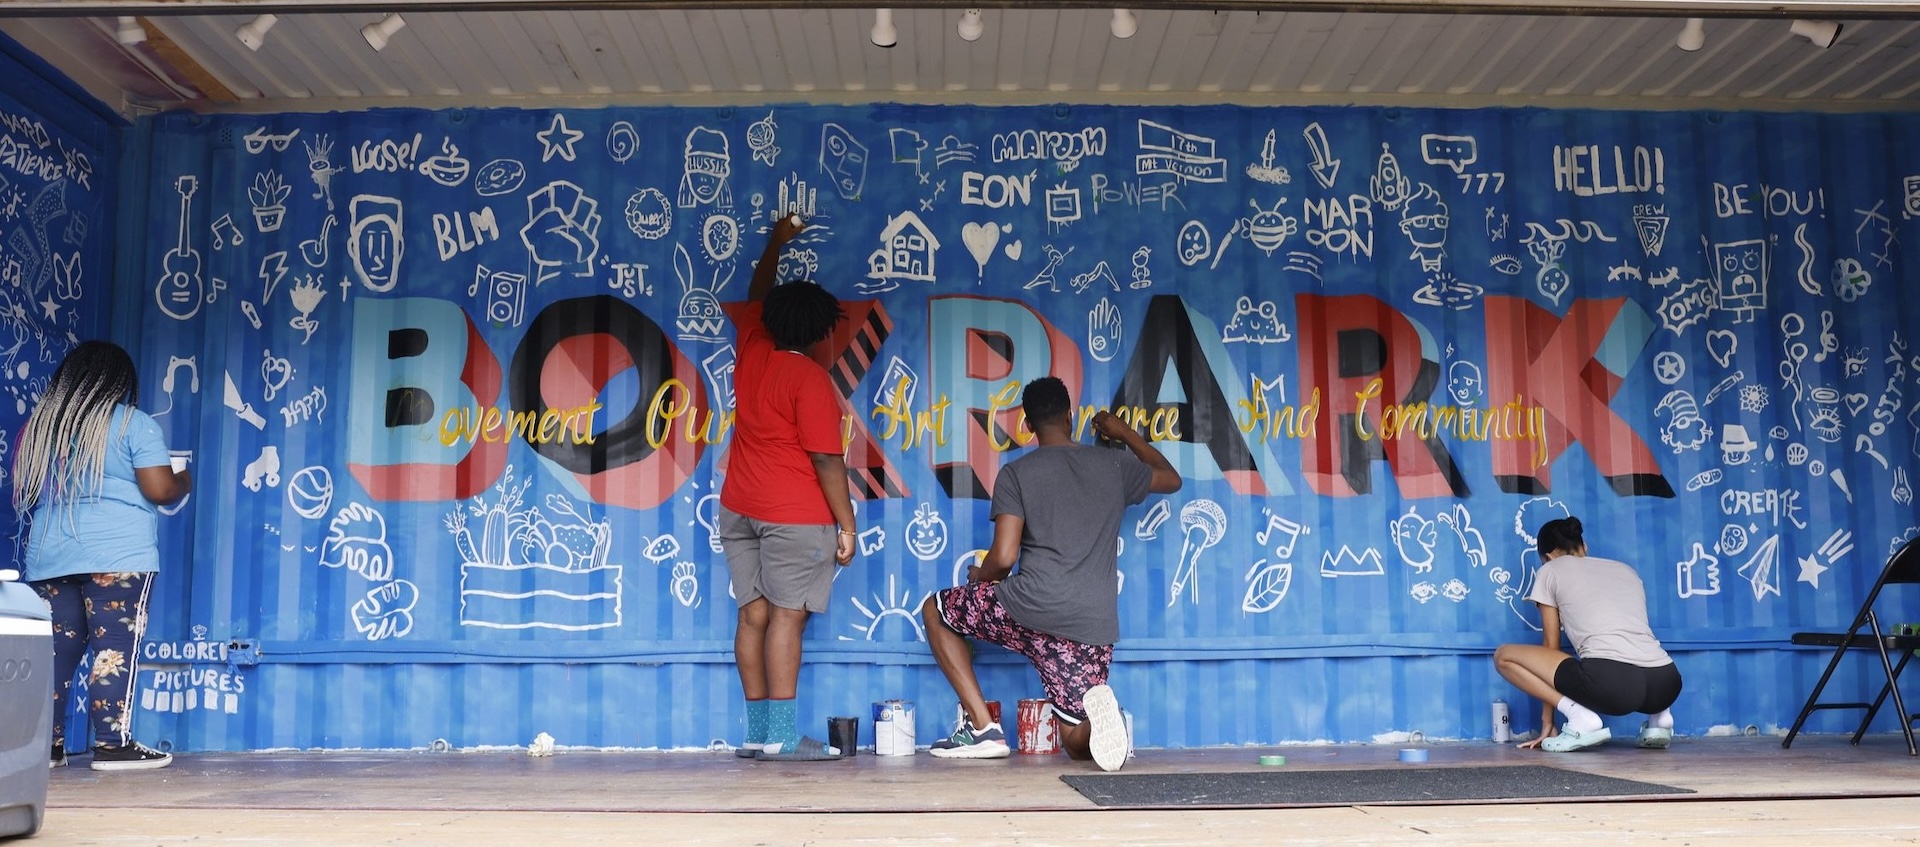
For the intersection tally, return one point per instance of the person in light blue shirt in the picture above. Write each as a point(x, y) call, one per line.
point(88, 474)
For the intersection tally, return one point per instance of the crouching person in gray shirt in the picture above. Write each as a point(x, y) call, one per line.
point(1056, 512)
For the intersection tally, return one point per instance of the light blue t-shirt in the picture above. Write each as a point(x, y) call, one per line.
point(114, 532)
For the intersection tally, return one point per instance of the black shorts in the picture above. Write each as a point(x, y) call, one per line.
point(1617, 688)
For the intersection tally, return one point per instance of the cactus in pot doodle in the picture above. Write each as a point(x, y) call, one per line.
point(269, 196)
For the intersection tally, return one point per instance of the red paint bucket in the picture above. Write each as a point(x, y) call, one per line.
point(1039, 729)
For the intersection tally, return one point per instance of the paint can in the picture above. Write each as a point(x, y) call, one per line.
point(893, 728)
point(844, 733)
point(1039, 729)
point(1502, 728)
point(960, 713)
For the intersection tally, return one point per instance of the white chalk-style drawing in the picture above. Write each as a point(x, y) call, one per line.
point(1876, 221)
point(213, 295)
point(1453, 151)
point(1753, 398)
point(1740, 272)
point(268, 195)
point(1460, 522)
point(1203, 524)
point(1424, 591)
point(170, 382)
point(1710, 476)
point(1104, 331)
point(1762, 569)
point(1445, 290)
point(376, 241)
point(357, 541)
point(907, 252)
point(708, 164)
point(1796, 452)
point(1255, 324)
point(386, 611)
point(1280, 532)
point(1736, 446)
point(1325, 168)
point(1267, 585)
point(761, 136)
point(1099, 275)
point(1267, 171)
point(969, 559)
point(1465, 384)
point(953, 150)
point(1415, 537)
point(1454, 590)
point(506, 294)
point(706, 513)
point(897, 385)
point(844, 160)
point(700, 317)
point(275, 371)
point(1684, 429)
point(1902, 490)
point(897, 603)
point(1698, 575)
point(1829, 343)
point(1495, 222)
point(534, 568)
point(1143, 277)
point(314, 251)
point(67, 277)
point(307, 293)
point(1650, 224)
point(1423, 219)
point(181, 290)
point(1347, 562)
point(623, 141)
point(310, 492)
point(1624, 271)
point(321, 168)
point(1850, 279)
point(720, 236)
point(1181, 155)
point(449, 168)
point(719, 367)
point(1686, 305)
point(1513, 587)
point(907, 146)
point(926, 533)
point(686, 585)
point(872, 540)
point(981, 240)
point(1853, 362)
point(1804, 275)
point(1733, 540)
point(1268, 228)
point(241, 408)
point(558, 139)
point(649, 214)
point(1193, 244)
point(1839, 478)
point(1721, 345)
point(1046, 276)
point(265, 469)
point(1910, 207)
point(1810, 571)
point(562, 231)
point(1669, 367)
point(1389, 185)
point(260, 139)
point(1148, 527)
point(1822, 408)
point(1505, 264)
point(660, 548)
point(500, 176)
point(1063, 207)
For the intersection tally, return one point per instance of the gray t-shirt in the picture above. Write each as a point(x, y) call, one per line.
point(1072, 498)
point(1603, 608)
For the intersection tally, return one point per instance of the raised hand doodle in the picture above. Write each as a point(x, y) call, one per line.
point(1103, 331)
point(563, 229)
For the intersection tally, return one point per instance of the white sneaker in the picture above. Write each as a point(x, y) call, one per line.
point(1107, 730)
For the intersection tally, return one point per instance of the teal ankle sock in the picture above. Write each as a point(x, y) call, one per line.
point(756, 723)
point(783, 728)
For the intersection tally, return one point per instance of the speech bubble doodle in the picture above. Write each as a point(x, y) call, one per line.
point(1454, 151)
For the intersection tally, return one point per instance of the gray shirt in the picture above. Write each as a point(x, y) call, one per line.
point(1603, 608)
point(1071, 498)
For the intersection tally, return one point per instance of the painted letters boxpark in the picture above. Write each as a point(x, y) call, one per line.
point(460, 385)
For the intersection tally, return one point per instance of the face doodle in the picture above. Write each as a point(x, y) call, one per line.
point(1194, 243)
point(1464, 382)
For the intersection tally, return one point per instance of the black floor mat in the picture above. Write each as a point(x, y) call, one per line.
point(1353, 787)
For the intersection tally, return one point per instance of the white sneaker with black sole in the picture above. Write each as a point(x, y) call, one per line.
point(131, 757)
point(1107, 730)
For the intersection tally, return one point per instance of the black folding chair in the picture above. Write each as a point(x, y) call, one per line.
point(1903, 567)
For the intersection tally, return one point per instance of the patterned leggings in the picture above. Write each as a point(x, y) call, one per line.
point(105, 613)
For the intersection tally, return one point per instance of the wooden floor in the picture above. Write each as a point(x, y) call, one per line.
point(1748, 792)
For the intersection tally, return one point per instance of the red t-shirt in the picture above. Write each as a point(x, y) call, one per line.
point(785, 407)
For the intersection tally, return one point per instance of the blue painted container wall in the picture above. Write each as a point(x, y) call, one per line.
point(1685, 328)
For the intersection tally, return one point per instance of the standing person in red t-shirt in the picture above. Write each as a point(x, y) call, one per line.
point(785, 518)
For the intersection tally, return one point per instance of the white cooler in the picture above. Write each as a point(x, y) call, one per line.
point(26, 698)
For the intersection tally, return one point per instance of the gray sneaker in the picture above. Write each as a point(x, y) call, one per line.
point(969, 743)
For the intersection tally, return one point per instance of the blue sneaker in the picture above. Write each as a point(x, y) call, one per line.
point(970, 743)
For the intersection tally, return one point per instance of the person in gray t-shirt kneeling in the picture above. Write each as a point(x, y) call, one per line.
point(1621, 668)
point(1056, 512)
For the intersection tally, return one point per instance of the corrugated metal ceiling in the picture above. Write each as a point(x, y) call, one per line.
point(321, 61)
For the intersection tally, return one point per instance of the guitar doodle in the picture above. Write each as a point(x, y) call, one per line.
point(181, 289)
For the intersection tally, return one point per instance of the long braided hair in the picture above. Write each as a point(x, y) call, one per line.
point(63, 448)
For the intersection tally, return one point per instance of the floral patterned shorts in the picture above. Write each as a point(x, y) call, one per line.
point(1067, 668)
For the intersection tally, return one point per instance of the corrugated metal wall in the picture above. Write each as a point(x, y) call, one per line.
point(1699, 311)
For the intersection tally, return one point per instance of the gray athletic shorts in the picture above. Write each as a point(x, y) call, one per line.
point(789, 564)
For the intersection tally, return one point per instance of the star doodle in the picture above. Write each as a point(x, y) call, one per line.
point(49, 307)
point(1810, 571)
point(563, 146)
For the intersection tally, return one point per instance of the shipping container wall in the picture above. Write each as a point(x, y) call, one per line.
point(461, 392)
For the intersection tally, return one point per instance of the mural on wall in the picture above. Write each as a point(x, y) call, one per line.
point(1382, 346)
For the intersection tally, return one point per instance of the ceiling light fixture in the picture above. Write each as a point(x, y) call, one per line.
point(1821, 33)
point(130, 31)
point(254, 33)
point(1693, 36)
point(884, 35)
point(381, 31)
point(971, 26)
point(1124, 25)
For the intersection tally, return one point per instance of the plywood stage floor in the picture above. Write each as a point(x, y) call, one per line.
point(1748, 792)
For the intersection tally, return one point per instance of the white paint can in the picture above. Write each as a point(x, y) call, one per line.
point(893, 728)
point(1502, 723)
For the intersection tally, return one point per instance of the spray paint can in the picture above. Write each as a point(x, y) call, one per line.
point(1039, 729)
point(1502, 728)
point(893, 728)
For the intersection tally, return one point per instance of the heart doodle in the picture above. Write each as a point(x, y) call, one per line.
point(1013, 251)
point(1721, 345)
point(980, 240)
